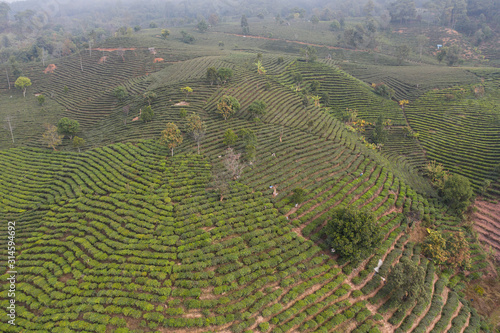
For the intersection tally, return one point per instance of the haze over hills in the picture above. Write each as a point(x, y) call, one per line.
point(249, 167)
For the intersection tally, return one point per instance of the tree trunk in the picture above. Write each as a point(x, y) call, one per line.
point(221, 197)
point(81, 62)
point(24, 92)
point(79, 149)
point(172, 152)
point(198, 148)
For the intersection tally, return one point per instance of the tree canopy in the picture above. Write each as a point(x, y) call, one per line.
point(196, 128)
point(171, 136)
point(406, 281)
point(457, 192)
point(257, 108)
point(22, 83)
point(227, 106)
point(120, 93)
point(352, 233)
point(66, 126)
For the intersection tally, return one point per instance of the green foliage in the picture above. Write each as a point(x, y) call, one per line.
point(153, 25)
point(202, 26)
point(458, 193)
point(120, 93)
point(212, 75)
point(298, 196)
point(22, 83)
point(149, 97)
point(196, 128)
point(353, 234)
point(383, 90)
point(402, 10)
point(165, 33)
point(230, 137)
point(171, 136)
point(78, 143)
point(224, 74)
point(147, 114)
point(66, 126)
point(379, 134)
point(334, 25)
point(187, 37)
point(406, 281)
point(41, 99)
point(183, 113)
point(309, 53)
point(247, 136)
point(257, 108)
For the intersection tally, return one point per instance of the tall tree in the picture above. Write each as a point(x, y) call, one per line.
point(224, 74)
point(187, 90)
point(228, 106)
point(171, 136)
point(22, 83)
point(196, 128)
point(212, 75)
point(66, 126)
point(402, 52)
point(202, 26)
point(244, 25)
point(458, 193)
point(352, 233)
point(120, 93)
point(257, 108)
point(78, 143)
point(379, 134)
point(406, 281)
point(402, 10)
point(230, 137)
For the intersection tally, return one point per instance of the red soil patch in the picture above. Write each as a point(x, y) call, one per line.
point(50, 68)
point(158, 60)
point(487, 224)
point(103, 59)
point(111, 50)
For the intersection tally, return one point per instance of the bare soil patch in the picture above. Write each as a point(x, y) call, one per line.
point(487, 223)
point(182, 104)
point(50, 68)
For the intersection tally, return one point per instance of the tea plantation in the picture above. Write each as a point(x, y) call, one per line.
point(124, 237)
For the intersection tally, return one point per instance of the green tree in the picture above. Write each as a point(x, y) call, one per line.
point(171, 136)
point(402, 10)
point(187, 90)
point(314, 20)
point(212, 75)
point(120, 93)
point(230, 137)
point(165, 33)
point(334, 25)
point(196, 128)
point(257, 109)
point(247, 136)
point(147, 114)
point(402, 52)
point(297, 79)
point(153, 25)
point(224, 74)
point(458, 193)
point(379, 134)
point(78, 143)
point(66, 126)
point(227, 106)
point(244, 25)
point(41, 99)
point(202, 26)
point(421, 41)
point(407, 282)
point(187, 38)
point(149, 97)
point(51, 137)
point(459, 251)
point(353, 37)
point(352, 233)
point(315, 85)
point(309, 53)
point(298, 196)
point(22, 83)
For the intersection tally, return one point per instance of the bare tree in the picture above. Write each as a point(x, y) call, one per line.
point(221, 179)
point(121, 52)
point(9, 126)
point(232, 163)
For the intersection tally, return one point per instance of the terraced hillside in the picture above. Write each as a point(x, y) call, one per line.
point(124, 238)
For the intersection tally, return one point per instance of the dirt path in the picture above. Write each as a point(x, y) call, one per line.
point(459, 307)
point(487, 223)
